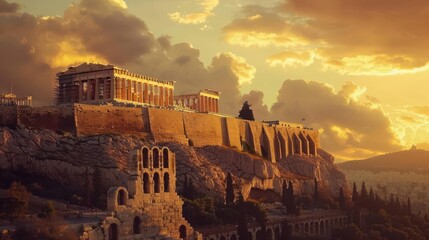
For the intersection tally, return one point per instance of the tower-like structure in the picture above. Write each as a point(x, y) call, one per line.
point(149, 207)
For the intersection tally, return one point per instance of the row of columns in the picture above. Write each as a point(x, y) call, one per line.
point(199, 103)
point(130, 90)
point(16, 101)
point(95, 89)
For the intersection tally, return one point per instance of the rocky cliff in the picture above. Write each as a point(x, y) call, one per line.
point(68, 159)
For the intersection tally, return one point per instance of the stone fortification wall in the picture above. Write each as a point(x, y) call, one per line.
point(8, 116)
point(93, 120)
point(203, 129)
point(54, 118)
point(273, 142)
point(167, 125)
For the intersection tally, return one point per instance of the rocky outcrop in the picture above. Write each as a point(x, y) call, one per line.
point(68, 159)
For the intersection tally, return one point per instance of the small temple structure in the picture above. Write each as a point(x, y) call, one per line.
point(11, 99)
point(203, 101)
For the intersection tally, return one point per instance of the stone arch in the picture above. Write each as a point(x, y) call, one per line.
point(304, 144)
point(277, 233)
point(270, 235)
point(145, 154)
point(322, 228)
point(290, 145)
point(249, 141)
point(312, 228)
point(283, 145)
point(250, 235)
point(146, 183)
point(136, 225)
point(316, 227)
point(165, 157)
point(259, 235)
point(296, 144)
point(116, 196)
point(156, 183)
point(155, 157)
point(121, 197)
point(113, 232)
point(233, 237)
point(326, 226)
point(265, 145)
point(182, 232)
point(296, 230)
point(166, 182)
point(311, 145)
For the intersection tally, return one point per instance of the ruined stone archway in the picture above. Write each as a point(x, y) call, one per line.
point(145, 154)
point(146, 183)
point(113, 232)
point(136, 225)
point(155, 157)
point(165, 157)
point(182, 232)
point(121, 197)
point(156, 183)
point(166, 182)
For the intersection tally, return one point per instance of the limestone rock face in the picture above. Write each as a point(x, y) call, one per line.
point(67, 159)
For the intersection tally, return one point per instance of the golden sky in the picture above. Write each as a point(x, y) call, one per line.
point(356, 70)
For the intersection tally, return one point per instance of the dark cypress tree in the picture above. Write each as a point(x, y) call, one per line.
point(191, 190)
point(242, 231)
point(355, 195)
point(342, 200)
point(363, 195)
point(371, 199)
point(291, 207)
point(246, 112)
point(284, 194)
point(229, 196)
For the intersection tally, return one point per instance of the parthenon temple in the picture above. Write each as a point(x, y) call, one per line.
point(203, 101)
point(97, 84)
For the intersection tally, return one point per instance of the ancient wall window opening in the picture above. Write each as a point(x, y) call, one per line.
point(113, 231)
point(156, 183)
point(277, 233)
point(121, 197)
point(269, 234)
point(166, 182)
point(92, 89)
point(259, 235)
point(182, 232)
point(100, 89)
point(145, 158)
point(155, 157)
point(165, 157)
point(146, 183)
point(136, 225)
point(233, 237)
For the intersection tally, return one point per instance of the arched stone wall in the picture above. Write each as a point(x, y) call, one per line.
point(114, 194)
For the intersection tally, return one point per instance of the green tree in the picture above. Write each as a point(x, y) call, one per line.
point(355, 195)
point(246, 112)
point(363, 195)
point(284, 194)
point(229, 196)
point(291, 203)
point(99, 188)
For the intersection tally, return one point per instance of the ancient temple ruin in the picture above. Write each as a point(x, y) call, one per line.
point(203, 101)
point(10, 99)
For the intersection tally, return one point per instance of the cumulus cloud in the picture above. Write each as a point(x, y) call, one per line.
point(105, 32)
point(352, 37)
point(206, 10)
point(291, 59)
point(349, 127)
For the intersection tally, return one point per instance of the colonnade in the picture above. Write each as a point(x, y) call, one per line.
point(204, 101)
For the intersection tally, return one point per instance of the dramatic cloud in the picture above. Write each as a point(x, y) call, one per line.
point(206, 10)
point(352, 37)
point(351, 127)
point(105, 32)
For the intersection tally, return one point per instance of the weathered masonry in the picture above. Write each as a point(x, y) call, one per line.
point(149, 207)
point(97, 83)
point(203, 101)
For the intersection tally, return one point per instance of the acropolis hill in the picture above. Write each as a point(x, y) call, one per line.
point(104, 111)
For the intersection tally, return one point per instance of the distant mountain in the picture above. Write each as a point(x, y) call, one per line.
point(414, 160)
